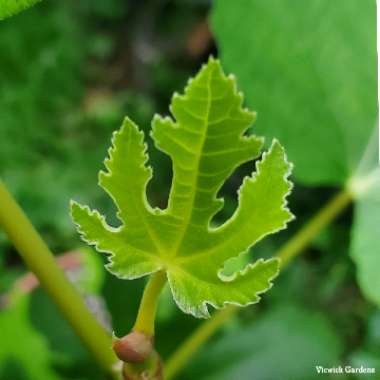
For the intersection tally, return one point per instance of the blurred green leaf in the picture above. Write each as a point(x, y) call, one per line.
point(373, 330)
point(167, 307)
point(365, 244)
point(41, 88)
point(107, 9)
point(368, 355)
point(36, 311)
point(286, 343)
point(67, 354)
point(91, 277)
point(310, 70)
point(11, 7)
point(24, 353)
point(65, 347)
point(367, 360)
point(122, 299)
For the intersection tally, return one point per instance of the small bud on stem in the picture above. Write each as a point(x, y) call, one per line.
point(141, 361)
point(135, 347)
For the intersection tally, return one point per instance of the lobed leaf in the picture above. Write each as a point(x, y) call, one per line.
point(206, 141)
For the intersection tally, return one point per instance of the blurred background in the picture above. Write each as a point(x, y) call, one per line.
point(71, 70)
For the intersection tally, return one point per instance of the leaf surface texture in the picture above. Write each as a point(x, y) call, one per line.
point(206, 141)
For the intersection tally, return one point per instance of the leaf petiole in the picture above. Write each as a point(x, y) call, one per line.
point(148, 306)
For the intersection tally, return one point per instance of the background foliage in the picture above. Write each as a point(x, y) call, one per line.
point(70, 71)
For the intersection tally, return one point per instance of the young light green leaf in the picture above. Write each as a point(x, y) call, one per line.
point(206, 142)
point(11, 7)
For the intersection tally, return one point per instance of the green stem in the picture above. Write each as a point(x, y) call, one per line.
point(147, 311)
point(196, 339)
point(320, 220)
point(41, 262)
point(288, 252)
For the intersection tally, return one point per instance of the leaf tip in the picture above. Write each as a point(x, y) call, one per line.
point(74, 207)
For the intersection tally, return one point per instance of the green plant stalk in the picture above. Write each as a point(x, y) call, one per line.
point(196, 339)
point(147, 311)
point(287, 253)
point(41, 262)
point(320, 220)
